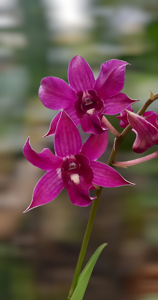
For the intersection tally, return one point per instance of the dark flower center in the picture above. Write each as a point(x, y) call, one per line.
point(70, 170)
point(76, 169)
point(88, 102)
point(69, 165)
point(72, 165)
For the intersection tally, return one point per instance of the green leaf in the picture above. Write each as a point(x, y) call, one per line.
point(85, 275)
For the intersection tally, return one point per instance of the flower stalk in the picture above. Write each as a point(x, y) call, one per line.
point(129, 163)
point(85, 242)
point(110, 127)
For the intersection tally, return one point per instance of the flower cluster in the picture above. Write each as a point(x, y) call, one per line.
point(85, 101)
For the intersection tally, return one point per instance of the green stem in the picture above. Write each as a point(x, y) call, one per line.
point(85, 242)
point(111, 128)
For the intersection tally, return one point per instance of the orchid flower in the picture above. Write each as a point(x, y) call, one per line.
point(146, 130)
point(74, 166)
point(85, 99)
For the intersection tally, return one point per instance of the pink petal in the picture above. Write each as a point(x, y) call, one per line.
point(67, 139)
point(79, 193)
point(71, 112)
point(111, 78)
point(91, 124)
point(44, 160)
point(152, 118)
point(53, 125)
point(80, 75)
point(106, 176)
point(46, 190)
point(92, 188)
point(123, 117)
point(55, 93)
point(146, 133)
point(117, 104)
point(95, 145)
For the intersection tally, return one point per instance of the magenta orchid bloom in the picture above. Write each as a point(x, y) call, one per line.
point(74, 166)
point(146, 130)
point(85, 99)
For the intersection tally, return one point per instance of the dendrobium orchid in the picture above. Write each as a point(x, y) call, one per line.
point(85, 99)
point(74, 166)
point(146, 130)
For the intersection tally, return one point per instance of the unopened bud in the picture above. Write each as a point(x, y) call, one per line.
point(152, 96)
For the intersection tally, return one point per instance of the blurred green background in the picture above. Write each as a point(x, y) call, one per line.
point(39, 250)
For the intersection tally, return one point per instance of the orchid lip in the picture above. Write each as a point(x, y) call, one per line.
point(72, 165)
point(88, 101)
point(75, 178)
point(90, 111)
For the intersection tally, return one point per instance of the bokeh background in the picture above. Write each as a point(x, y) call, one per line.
point(39, 250)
